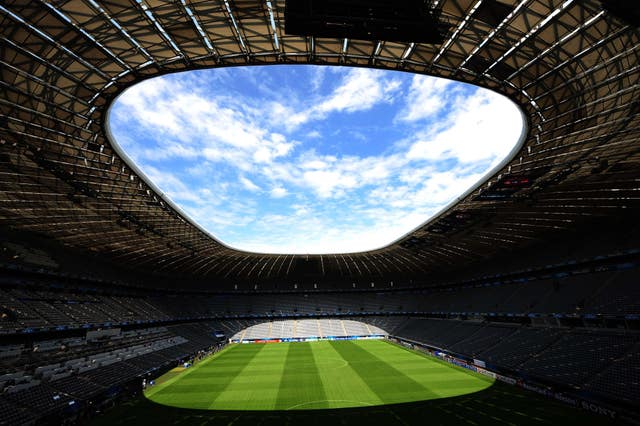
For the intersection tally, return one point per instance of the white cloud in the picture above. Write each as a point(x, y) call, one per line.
point(325, 183)
point(481, 127)
point(317, 78)
point(361, 90)
point(427, 96)
point(203, 126)
point(247, 184)
point(172, 186)
point(278, 192)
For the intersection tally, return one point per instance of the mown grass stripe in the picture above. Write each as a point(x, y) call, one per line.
point(164, 381)
point(239, 387)
point(300, 382)
point(211, 380)
point(441, 378)
point(390, 384)
point(340, 380)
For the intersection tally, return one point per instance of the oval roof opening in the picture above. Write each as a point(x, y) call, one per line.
point(311, 159)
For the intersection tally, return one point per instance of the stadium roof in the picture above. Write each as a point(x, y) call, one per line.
point(572, 66)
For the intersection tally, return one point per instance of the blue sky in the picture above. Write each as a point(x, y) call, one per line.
point(311, 159)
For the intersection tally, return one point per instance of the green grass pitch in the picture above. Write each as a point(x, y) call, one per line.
point(297, 384)
point(314, 375)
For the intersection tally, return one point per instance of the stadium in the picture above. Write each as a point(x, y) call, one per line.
point(517, 304)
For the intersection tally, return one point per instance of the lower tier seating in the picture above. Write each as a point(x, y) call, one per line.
point(604, 363)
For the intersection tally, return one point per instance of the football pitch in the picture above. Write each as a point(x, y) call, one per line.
point(326, 383)
point(314, 375)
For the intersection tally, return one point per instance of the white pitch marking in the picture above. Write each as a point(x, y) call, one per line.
point(329, 400)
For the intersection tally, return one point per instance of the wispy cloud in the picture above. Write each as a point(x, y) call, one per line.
point(278, 192)
point(247, 184)
point(312, 160)
point(427, 97)
point(360, 90)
